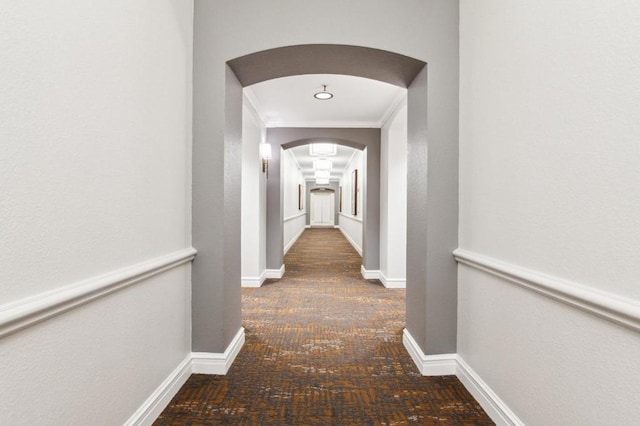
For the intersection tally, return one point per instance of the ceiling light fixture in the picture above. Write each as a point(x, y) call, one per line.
point(322, 164)
point(321, 181)
point(322, 149)
point(324, 95)
point(322, 174)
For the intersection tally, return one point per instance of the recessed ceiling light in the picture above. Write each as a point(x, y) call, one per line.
point(324, 95)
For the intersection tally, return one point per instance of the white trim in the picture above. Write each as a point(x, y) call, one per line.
point(353, 243)
point(293, 240)
point(356, 218)
point(324, 124)
point(275, 273)
point(499, 412)
point(215, 363)
point(254, 106)
point(448, 364)
point(294, 216)
point(309, 226)
point(23, 313)
point(429, 365)
point(394, 107)
point(392, 282)
point(371, 274)
point(254, 281)
point(619, 310)
point(161, 397)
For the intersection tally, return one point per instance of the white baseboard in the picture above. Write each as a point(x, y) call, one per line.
point(275, 273)
point(161, 397)
point(369, 274)
point(216, 363)
point(194, 363)
point(254, 281)
point(495, 408)
point(353, 243)
point(293, 240)
point(307, 226)
point(392, 282)
point(429, 365)
point(448, 364)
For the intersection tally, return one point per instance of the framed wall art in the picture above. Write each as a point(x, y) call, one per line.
point(354, 192)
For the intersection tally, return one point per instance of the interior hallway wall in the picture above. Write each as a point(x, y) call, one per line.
point(350, 224)
point(294, 214)
point(393, 199)
point(550, 188)
point(95, 130)
point(424, 30)
point(253, 199)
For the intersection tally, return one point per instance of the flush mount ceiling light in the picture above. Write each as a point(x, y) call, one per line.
point(323, 174)
point(322, 164)
point(324, 95)
point(322, 149)
point(321, 181)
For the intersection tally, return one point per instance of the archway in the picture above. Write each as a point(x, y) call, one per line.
point(367, 140)
point(431, 271)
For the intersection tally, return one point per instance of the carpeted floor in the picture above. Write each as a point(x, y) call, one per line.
point(323, 347)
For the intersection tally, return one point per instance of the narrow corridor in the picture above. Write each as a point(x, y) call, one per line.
point(323, 347)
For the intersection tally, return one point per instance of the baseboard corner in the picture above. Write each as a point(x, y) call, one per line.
point(429, 365)
point(216, 363)
point(369, 274)
point(392, 282)
point(275, 273)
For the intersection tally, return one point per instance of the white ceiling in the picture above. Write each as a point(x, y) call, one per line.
point(357, 102)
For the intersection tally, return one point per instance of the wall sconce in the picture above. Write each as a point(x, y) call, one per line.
point(265, 153)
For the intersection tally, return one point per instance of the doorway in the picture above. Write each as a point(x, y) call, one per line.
point(322, 208)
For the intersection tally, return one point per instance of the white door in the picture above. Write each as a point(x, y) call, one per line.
point(322, 209)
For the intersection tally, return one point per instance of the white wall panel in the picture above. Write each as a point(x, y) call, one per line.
point(95, 176)
point(549, 182)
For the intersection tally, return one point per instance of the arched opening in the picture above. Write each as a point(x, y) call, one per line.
point(216, 228)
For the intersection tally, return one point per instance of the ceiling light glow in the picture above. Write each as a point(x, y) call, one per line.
point(324, 95)
point(322, 164)
point(322, 149)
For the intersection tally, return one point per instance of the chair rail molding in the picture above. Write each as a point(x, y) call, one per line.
point(619, 310)
point(24, 313)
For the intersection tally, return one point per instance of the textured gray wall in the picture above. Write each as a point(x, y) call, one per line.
point(356, 138)
point(223, 31)
point(216, 224)
point(275, 210)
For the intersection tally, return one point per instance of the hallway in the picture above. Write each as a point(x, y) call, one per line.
point(323, 346)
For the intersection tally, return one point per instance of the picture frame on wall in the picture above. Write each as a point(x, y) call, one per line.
point(300, 205)
point(354, 192)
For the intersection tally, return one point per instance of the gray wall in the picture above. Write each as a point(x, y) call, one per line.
point(223, 31)
point(432, 226)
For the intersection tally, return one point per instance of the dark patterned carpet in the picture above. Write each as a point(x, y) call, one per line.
point(323, 347)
